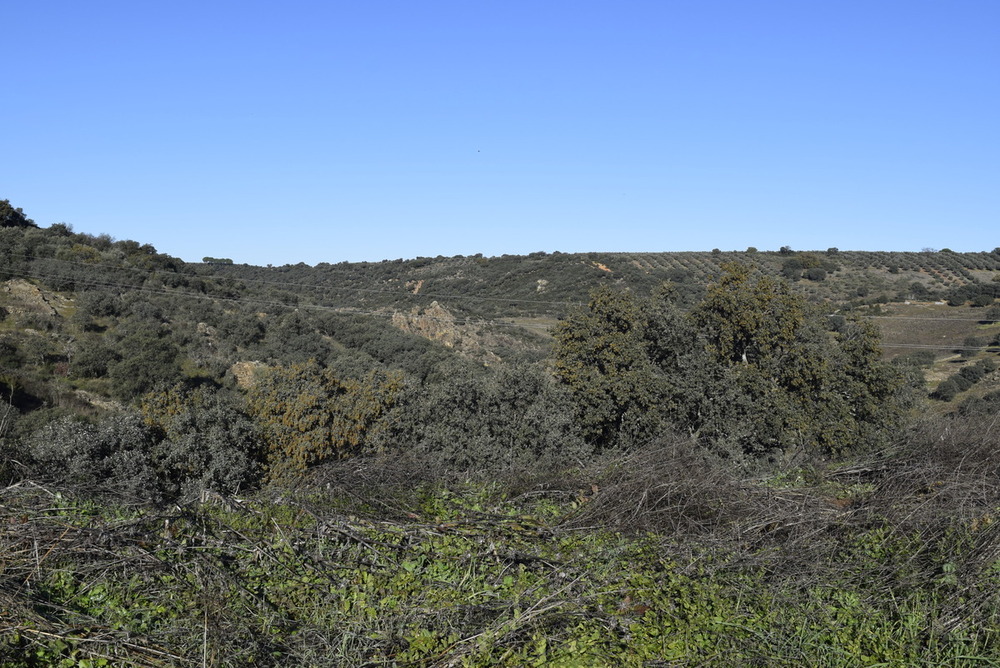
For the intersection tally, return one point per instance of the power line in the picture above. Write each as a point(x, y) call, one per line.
point(397, 293)
point(349, 309)
point(403, 293)
point(909, 317)
point(936, 347)
point(339, 310)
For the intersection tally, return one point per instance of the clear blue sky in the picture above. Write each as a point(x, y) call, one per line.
point(280, 132)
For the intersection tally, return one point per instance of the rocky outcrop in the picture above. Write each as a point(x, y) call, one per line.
point(22, 297)
point(433, 322)
point(437, 323)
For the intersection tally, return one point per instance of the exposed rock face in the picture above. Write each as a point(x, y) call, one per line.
point(24, 297)
point(434, 322)
point(437, 323)
point(99, 401)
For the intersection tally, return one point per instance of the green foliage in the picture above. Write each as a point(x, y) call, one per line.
point(671, 558)
point(508, 417)
point(425, 360)
point(208, 442)
point(92, 358)
point(11, 359)
point(921, 358)
point(115, 454)
point(808, 388)
point(307, 414)
point(241, 328)
point(963, 379)
point(970, 344)
point(601, 356)
point(147, 357)
point(98, 304)
point(293, 338)
point(13, 217)
point(470, 575)
point(749, 319)
point(754, 364)
point(816, 274)
point(988, 404)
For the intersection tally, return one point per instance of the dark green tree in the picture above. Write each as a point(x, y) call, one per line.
point(147, 358)
point(752, 369)
point(11, 217)
point(749, 318)
point(810, 388)
point(601, 355)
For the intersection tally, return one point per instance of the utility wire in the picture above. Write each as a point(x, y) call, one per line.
point(311, 286)
point(340, 310)
point(396, 293)
point(933, 347)
point(350, 310)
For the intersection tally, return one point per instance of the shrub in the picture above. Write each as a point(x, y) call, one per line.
point(209, 443)
point(970, 344)
point(92, 359)
point(114, 455)
point(512, 416)
point(148, 358)
point(987, 405)
point(752, 364)
point(306, 414)
point(98, 304)
point(964, 379)
point(982, 300)
point(946, 390)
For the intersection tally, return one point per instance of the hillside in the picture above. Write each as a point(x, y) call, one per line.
point(543, 284)
point(488, 309)
point(65, 296)
point(474, 461)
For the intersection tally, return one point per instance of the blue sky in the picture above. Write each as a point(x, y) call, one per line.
point(314, 132)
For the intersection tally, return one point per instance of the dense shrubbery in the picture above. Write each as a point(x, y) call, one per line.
point(114, 456)
point(772, 377)
point(207, 442)
point(624, 562)
point(481, 422)
point(307, 414)
point(964, 379)
point(186, 443)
